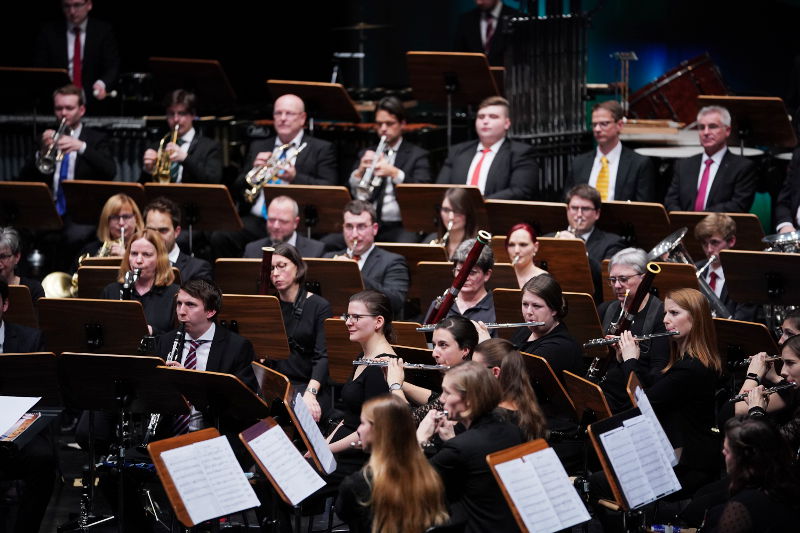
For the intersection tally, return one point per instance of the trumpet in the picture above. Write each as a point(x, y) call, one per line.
point(365, 190)
point(161, 171)
point(350, 252)
point(46, 162)
point(490, 325)
point(270, 172)
point(782, 386)
point(606, 341)
point(746, 361)
point(410, 366)
point(569, 229)
point(105, 250)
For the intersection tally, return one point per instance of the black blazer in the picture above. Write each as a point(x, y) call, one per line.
point(732, 191)
point(307, 247)
point(513, 175)
point(468, 34)
point(603, 244)
point(203, 163)
point(411, 159)
point(22, 339)
point(789, 198)
point(315, 165)
point(636, 175)
point(95, 163)
point(193, 268)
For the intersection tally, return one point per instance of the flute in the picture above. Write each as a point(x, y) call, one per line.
point(767, 392)
point(606, 341)
point(490, 325)
point(410, 366)
point(746, 361)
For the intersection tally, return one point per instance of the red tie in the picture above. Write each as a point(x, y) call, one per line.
point(489, 33)
point(76, 59)
point(712, 281)
point(700, 201)
point(476, 174)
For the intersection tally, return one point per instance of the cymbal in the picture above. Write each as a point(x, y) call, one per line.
point(358, 26)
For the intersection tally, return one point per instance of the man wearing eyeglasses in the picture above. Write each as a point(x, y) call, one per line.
point(583, 212)
point(618, 173)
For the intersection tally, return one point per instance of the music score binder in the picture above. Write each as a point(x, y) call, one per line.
point(536, 487)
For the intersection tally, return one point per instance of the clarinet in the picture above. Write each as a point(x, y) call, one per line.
point(174, 354)
point(131, 277)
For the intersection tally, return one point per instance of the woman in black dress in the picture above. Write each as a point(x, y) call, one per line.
point(304, 317)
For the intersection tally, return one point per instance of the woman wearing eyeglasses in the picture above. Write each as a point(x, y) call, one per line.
point(458, 213)
point(119, 213)
point(304, 317)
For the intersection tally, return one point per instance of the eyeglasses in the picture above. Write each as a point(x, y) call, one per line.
point(622, 279)
point(121, 218)
point(580, 209)
point(449, 211)
point(472, 273)
point(354, 317)
point(280, 267)
point(6, 257)
point(603, 124)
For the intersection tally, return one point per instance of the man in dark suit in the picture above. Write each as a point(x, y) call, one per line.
point(401, 162)
point(715, 180)
point(97, 58)
point(380, 270)
point(15, 338)
point(193, 157)
point(787, 207)
point(618, 173)
point(484, 29)
point(583, 212)
point(501, 168)
point(283, 216)
point(164, 216)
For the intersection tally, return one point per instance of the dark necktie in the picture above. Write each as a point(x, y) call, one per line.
point(76, 59)
point(712, 281)
point(174, 166)
point(63, 174)
point(181, 424)
point(487, 45)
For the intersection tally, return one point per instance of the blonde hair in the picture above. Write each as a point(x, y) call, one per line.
point(164, 275)
point(113, 206)
point(477, 386)
point(407, 493)
point(701, 342)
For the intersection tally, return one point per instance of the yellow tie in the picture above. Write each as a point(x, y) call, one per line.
point(602, 179)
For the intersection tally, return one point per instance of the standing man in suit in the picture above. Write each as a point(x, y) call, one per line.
point(381, 270)
point(402, 162)
point(85, 47)
point(163, 216)
point(194, 158)
point(501, 168)
point(283, 216)
point(583, 212)
point(715, 180)
point(15, 338)
point(483, 30)
point(618, 173)
point(787, 207)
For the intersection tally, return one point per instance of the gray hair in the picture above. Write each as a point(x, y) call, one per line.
point(283, 199)
point(9, 237)
point(723, 113)
point(636, 258)
point(485, 260)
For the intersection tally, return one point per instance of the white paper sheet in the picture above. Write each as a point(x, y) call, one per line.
point(643, 403)
point(209, 480)
point(314, 435)
point(293, 474)
point(12, 408)
point(540, 489)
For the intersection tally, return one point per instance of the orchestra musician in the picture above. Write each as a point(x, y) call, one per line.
point(790, 326)
point(522, 246)
point(397, 490)
point(283, 217)
point(583, 212)
point(10, 254)
point(119, 212)
point(457, 220)
point(16, 338)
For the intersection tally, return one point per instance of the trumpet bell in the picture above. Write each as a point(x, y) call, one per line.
point(60, 285)
point(783, 242)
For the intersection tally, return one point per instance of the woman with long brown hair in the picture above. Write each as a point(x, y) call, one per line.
point(397, 491)
point(459, 213)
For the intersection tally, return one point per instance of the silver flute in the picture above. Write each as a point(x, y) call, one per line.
point(782, 386)
point(605, 341)
point(489, 325)
point(410, 366)
point(768, 359)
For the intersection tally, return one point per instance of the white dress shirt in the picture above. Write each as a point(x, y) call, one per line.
point(487, 164)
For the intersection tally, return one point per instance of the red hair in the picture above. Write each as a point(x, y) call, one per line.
point(522, 225)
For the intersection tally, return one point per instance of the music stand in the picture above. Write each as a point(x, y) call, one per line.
point(641, 224)
point(761, 277)
point(83, 325)
point(322, 100)
point(567, 262)
point(93, 279)
point(420, 202)
point(545, 217)
point(110, 261)
point(545, 380)
point(28, 205)
point(31, 374)
point(414, 253)
point(341, 351)
point(33, 85)
point(756, 120)
point(259, 319)
point(86, 198)
point(336, 280)
point(20, 307)
point(737, 340)
point(588, 397)
point(320, 205)
point(453, 78)
point(749, 231)
point(237, 276)
point(204, 77)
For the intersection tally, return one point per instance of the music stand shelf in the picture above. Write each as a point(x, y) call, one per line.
point(29, 205)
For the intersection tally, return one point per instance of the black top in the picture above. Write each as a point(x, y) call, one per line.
point(37, 291)
point(304, 321)
point(354, 490)
point(752, 511)
point(21, 339)
point(557, 347)
point(482, 311)
point(473, 493)
point(158, 303)
point(368, 384)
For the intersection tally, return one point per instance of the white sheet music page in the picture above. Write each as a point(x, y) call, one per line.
point(12, 408)
point(654, 463)
point(643, 403)
point(540, 489)
point(293, 474)
point(209, 479)
point(314, 435)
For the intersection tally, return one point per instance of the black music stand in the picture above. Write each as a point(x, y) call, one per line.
point(204, 77)
point(85, 198)
point(737, 340)
point(31, 374)
point(545, 217)
point(33, 86)
point(322, 100)
point(641, 224)
point(761, 277)
point(21, 307)
point(757, 120)
point(320, 205)
point(28, 205)
point(420, 202)
point(749, 231)
point(451, 78)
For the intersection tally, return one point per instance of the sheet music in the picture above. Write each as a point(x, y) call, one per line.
point(641, 467)
point(540, 489)
point(643, 403)
point(12, 408)
point(314, 435)
point(209, 479)
point(293, 474)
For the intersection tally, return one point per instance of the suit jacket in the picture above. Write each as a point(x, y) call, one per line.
point(203, 163)
point(468, 34)
point(513, 175)
point(385, 272)
point(636, 175)
point(789, 198)
point(315, 165)
point(22, 339)
point(193, 268)
point(603, 244)
point(307, 247)
point(95, 163)
point(732, 191)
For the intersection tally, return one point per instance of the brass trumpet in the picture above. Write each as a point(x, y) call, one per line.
point(269, 173)
point(46, 162)
point(161, 171)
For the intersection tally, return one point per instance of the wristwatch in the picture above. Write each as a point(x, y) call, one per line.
point(395, 386)
point(312, 390)
point(753, 376)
